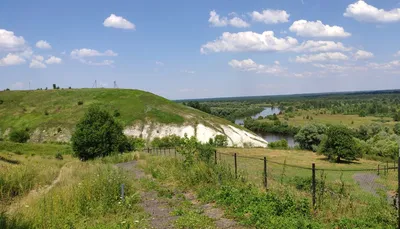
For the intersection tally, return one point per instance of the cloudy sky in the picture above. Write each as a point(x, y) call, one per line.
point(195, 49)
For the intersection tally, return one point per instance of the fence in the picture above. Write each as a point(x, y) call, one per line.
point(335, 188)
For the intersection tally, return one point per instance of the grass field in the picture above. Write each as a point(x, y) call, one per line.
point(353, 121)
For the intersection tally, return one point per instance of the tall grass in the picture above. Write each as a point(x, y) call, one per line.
point(88, 196)
point(283, 206)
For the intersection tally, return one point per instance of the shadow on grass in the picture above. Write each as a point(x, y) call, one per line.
point(9, 160)
point(340, 162)
point(7, 223)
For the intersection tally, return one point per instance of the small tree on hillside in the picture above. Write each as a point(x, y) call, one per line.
point(338, 144)
point(98, 134)
point(20, 136)
point(396, 128)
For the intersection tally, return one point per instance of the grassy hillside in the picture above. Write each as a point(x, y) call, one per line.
point(60, 108)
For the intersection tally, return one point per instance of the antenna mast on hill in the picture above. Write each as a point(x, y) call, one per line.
point(115, 84)
point(94, 84)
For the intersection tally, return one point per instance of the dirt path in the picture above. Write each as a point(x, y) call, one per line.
point(157, 208)
point(36, 193)
point(367, 182)
point(160, 211)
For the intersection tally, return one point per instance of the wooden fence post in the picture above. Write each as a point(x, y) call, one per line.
point(265, 174)
point(313, 186)
point(215, 156)
point(378, 170)
point(235, 165)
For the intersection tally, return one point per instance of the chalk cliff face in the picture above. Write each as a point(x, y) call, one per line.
point(236, 137)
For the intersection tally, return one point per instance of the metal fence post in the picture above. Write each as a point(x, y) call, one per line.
point(313, 186)
point(265, 173)
point(215, 156)
point(235, 165)
point(378, 170)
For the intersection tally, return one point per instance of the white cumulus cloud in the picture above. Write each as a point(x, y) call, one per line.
point(317, 29)
point(270, 16)
point(54, 60)
point(363, 55)
point(321, 57)
point(249, 65)
point(249, 41)
point(216, 20)
point(43, 44)
point(81, 53)
point(9, 42)
point(11, 59)
point(118, 22)
point(362, 11)
point(321, 46)
point(37, 62)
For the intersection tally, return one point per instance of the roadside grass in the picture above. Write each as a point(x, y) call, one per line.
point(341, 203)
point(354, 121)
point(338, 194)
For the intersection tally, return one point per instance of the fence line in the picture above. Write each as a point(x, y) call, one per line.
point(314, 187)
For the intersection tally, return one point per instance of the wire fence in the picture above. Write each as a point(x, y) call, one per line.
point(336, 189)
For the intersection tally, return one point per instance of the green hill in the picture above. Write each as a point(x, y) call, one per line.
point(60, 108)
point(51, 115)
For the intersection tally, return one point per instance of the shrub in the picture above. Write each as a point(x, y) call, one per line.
point(281, 144)
point(46, 113)
point(310, 136)
point(80, 103)
point(220, 140)
point(117, 113)
point(136, 143)
point(1, 101)
point(59, 156)
point(98, 134)
point(205, 152)
point(167, 141)
point(396, 129)
point(20, 136)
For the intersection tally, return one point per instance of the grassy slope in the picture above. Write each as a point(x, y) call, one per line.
point(22, 109)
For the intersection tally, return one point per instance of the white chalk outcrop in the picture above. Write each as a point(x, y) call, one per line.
point(236, 137)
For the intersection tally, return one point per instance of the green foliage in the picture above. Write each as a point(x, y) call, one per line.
point(188, 149)
point(276, 126)
point(281, 144)
point(338, 144)
point(169, 141)
point(116, 113)
point(205, 152)
point(220, 140)
point(97, 135)
point(1, 101)
point(59, 156)
point(20, 136)
point(80, 103)
point(310, 136)
point(136, 144)
point(396, 128)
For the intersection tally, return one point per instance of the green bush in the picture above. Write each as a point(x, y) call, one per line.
point(1, 101)
point(97, 134)
point(396, 128)
point(59, 156)
point(167, 141)
point(136, 143)
point(221, 140)
point(20, 136)
point(310, 136)
point(281, 144)
point(80, 103)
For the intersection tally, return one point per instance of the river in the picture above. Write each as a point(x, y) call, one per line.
point(269, 137)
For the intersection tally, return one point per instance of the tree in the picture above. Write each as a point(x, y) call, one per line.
point(20, 136)
point(396, 128)
point(310, 136)
point(221, 140)
point(54, 86)
point(338, 144)
point(98, 134)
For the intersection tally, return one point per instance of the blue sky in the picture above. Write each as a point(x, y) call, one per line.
point(197, 49)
